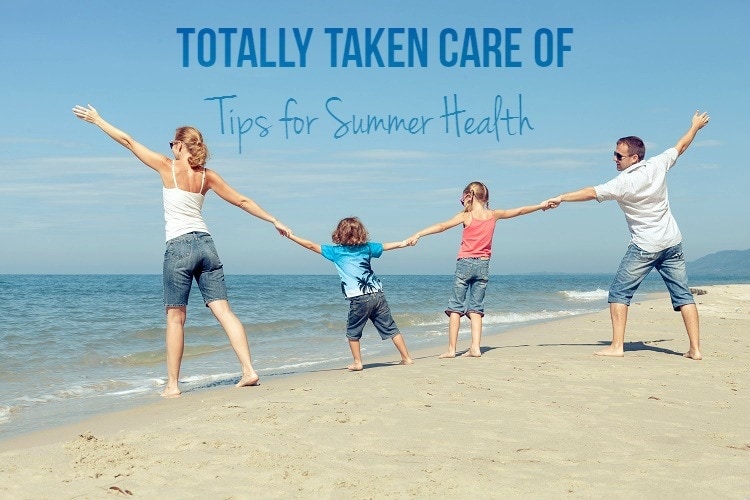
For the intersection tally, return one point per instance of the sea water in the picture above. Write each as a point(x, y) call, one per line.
point(73, 346)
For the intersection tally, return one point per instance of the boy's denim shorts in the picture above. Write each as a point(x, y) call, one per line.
point(192, 256)
point(374, 307)
point(469, 286)
point(637, 263)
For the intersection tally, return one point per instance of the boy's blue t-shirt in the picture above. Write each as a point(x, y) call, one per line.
point(353, 265)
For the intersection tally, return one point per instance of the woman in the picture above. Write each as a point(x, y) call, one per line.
point(190, 252)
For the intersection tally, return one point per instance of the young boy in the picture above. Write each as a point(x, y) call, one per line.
point(351, 255)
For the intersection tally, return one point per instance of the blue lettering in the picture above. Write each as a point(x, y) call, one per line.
point(247, 49)
point(303, 45)
point(511, 47)
point(244, 126)
point(227, 32)
point(394, 47)
point(185, 45)
point(470, 51)
point(372, 123)
point(206, 33)
point(265, 63)
point(561, 47)
point(456, 122)
point(334, 32)
point(371, 46)
point(448, 34)
point(299, 125)
point(351, 49)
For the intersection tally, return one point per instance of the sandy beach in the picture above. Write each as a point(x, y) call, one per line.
point(538, 416)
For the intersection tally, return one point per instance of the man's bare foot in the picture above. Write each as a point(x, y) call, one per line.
point(355, 367)
point(448, 354)
point(611, 352)
point(248, 380)
point(472, 354)
point(171, 392)
point(407, 361)
point(696, 355)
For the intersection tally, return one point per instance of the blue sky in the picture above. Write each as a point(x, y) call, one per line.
point(73, 201)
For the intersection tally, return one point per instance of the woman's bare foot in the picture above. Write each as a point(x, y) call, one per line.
point(611, 351)
point(171, 392)
point(407, 361)
point(472, 354)
point(355, 367)
point(448, 354)
point(248, 380)
point(696, 355)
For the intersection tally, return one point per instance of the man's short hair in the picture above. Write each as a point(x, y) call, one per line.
point(635, 146)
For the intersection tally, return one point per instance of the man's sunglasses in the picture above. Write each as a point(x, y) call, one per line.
point(620, 156)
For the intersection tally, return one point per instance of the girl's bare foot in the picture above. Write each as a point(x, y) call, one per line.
point(448, 354)
point(355, 367)
point(407, 361)
point(696, 355)
point(472, 354)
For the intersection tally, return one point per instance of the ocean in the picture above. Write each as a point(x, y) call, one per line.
point(74, 346)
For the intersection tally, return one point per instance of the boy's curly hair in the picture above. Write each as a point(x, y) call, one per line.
point(350, 232)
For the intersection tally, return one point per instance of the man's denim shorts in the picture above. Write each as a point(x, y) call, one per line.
point(637, 263)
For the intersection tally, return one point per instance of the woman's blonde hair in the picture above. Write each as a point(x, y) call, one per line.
point(475, 191)
point(350, 232)
point(193, 141)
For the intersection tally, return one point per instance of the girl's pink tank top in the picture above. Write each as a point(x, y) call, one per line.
point(477, 239)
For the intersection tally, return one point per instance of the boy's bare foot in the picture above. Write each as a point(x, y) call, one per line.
point(355, 367)
point(407, 361)
point(248, 380)
point(610, 351)
point(472, 354)
point(696, 355)
point(171, 392)
point(448, 354)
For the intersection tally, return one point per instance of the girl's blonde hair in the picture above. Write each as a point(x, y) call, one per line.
point(475, 191)
point(350, 232)
point(193, 141)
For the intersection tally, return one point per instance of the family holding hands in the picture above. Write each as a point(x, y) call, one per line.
point(640, 189)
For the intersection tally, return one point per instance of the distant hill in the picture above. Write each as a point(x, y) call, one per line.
point(727, 262)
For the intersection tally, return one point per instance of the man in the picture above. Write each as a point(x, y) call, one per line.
point(641, 191)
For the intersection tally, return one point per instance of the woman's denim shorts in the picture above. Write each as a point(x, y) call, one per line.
point(192, 256)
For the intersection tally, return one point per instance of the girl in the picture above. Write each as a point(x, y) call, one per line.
point(473, 264)
point(351, 255)
point(190, 252)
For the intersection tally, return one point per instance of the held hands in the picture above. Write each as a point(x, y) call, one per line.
point(282, 229)
point(412, 240)
point(88, 114)
point(551, 203)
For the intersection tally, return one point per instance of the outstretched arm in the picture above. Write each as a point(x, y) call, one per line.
point(585, 194)
point(436, 228)
point(699, 121)
point(315, 247)
point(157, 161)
point(515, 212)
point(395, 244)
point(230, 195)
